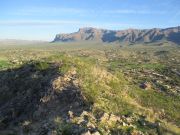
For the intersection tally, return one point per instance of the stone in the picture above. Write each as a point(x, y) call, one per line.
point(52, 133)
point(81, 121)
point(73, 72)
point(96, 133)
point(76, 83)
point(67, 79)
point(124, 124)
point(26, 123)
point(129, 120)
point(137, 133)
point(86, 133)
point(90, 125)
point(104, 118)
point(114, 118)
point(84, 113)
point(145, 85)
point(70, 113)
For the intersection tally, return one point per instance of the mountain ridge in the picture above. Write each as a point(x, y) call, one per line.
point(127, 36)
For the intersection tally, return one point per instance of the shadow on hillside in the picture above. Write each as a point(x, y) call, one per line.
point(22, 90)
point(174, 37)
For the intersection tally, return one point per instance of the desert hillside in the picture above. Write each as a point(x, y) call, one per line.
point(86, 88)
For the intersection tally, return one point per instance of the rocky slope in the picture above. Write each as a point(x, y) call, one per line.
point(45, 97)
point(50, 103)
point(127, 36)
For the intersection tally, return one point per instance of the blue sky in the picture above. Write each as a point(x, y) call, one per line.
point(42, 19)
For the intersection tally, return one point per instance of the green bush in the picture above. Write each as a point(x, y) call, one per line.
point(4, 64)
point(42, 66)
point(64, 129)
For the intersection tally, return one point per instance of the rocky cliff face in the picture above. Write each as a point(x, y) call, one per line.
point(127, 36)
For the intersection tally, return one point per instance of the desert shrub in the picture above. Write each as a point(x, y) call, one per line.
point(65, 68)
point(41, 65)
point(4, 64)
point(64, 129)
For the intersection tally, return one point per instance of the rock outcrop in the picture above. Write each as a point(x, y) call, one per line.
point(32, 100)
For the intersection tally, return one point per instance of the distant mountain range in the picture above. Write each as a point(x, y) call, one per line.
point(19, 42)
point(123, 36)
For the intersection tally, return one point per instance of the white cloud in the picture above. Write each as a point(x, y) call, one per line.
point(65, 23)
point(38, 22)
point(50, 11)
point(131, 11)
